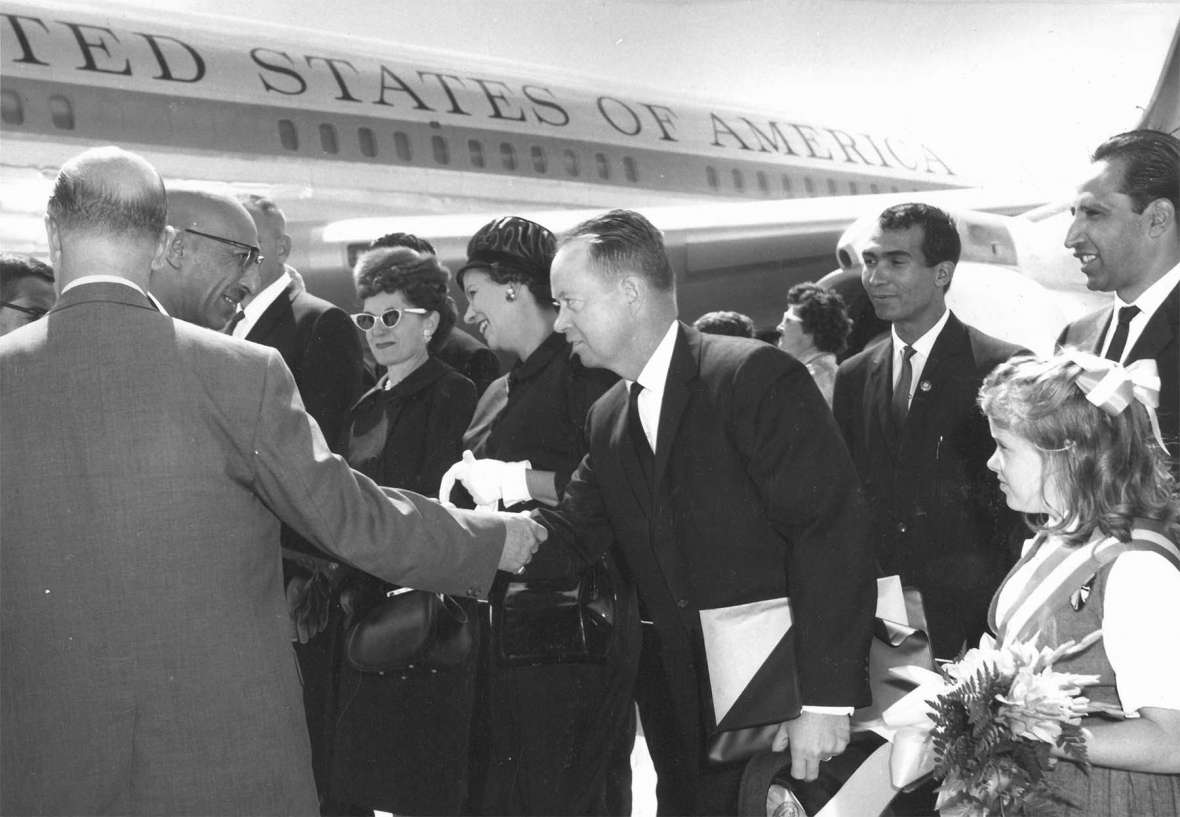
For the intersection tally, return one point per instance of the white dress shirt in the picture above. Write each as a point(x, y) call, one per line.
point(922, 348)
point(261, 302)
point(102, 279)
point(1149, 302)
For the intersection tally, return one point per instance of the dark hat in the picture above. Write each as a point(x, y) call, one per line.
point(511, 245)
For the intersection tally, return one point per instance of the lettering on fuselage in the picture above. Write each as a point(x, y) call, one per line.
point(35, 44)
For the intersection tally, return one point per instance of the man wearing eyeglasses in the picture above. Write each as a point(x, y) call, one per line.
point(211, 260)
point(145, 656)
point(26, 290)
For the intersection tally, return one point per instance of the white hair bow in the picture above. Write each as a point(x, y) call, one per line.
point(1112, 386)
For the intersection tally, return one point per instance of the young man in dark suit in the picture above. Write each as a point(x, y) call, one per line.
point(716, 470)
point(907, 408)
point(1126, 234)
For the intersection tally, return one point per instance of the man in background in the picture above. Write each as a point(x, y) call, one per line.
point(1126, 234)
point(26, 290)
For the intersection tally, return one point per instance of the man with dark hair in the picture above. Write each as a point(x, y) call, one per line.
point(717, 471)
point(145, 658)
point(814, 328)
point(725, 322)
point(907, 407)
point(26, 290)
point(1126, 235)
point(458, 349)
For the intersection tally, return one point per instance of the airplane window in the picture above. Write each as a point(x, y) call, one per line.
point(630, 170)
point(61, 112)
point(787, 186)
point(852, 188)
point(763, 182)
point(831, 187)
point(368, 141)
point(508, 155)
point(540, 161)
point(12, 112)
point(401, 146)
point(288, 135)
point(475, 151)
point(739, 181)
point(442, 151)
point(328, 139)
point(571, 163)
point(603, 165)
point(874, 188)
point(711, 175)
point(809, 185)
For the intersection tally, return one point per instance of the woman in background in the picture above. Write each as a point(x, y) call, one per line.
point(1075, 450)
point(814, 329)
point(400, 741)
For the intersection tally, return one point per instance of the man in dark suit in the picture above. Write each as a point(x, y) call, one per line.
point(145, 659)
point(1126, 234)
point(749, 495)
point(907, 408)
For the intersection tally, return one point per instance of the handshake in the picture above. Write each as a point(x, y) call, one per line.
point(489, 482)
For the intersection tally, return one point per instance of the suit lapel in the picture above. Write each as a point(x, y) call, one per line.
point(1160, 330)
point(878, 391)
point(951, 344)
point(681, 372)
point(273, 315)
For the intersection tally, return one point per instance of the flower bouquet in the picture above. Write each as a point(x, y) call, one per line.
point(999, 715)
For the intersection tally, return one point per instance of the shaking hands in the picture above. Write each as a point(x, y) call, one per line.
point(489, 482)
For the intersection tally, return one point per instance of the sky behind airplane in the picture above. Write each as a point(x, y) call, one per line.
point(1011, 91)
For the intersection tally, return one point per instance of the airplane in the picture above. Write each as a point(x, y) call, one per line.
point(354, 138)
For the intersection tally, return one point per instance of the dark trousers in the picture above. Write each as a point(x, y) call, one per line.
point(685, 782)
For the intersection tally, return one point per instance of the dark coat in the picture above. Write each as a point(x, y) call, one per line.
point(938, 516)
point(1160, 341)
point(753, 497)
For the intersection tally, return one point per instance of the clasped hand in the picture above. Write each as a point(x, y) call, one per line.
point(812, 737)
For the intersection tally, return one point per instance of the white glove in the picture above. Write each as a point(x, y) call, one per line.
point(488, 481)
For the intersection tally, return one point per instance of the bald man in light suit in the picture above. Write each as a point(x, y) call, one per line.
point(145, 660)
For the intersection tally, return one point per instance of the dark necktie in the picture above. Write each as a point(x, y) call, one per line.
point(234, 321)
point(642, 447)
point(900, 405)
point(1119, 341)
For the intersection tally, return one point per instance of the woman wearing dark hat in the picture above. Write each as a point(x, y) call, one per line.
point(552, 738)
point(400, 742)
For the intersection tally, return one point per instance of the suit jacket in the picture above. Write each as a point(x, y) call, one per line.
point(145, 660)
point(322, 349)
point(753, 497)
point(939, 518)
point(1160, 341)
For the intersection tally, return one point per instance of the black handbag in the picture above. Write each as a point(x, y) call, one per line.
point(554, 620)
point(410, 629)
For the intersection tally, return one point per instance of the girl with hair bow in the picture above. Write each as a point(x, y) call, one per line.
point(1078, 450)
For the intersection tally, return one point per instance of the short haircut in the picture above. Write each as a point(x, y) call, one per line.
point(1151, 165)
point(940, 239)
point(407, 240)
point(262, 204)
point(823, 314)
point(622, 242)
point(1108, 468)
point(83, 202)
point(419, 278)
point(725, 322)
point(14, 268)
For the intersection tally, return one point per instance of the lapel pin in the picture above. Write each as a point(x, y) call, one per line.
point(924, 385)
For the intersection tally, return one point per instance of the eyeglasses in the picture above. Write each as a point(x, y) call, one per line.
point(390, 317)
point(249, 256)
point(33, 312)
